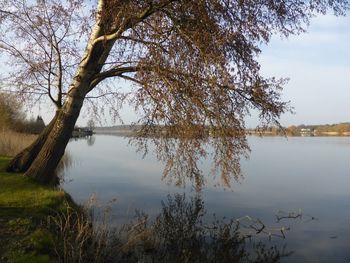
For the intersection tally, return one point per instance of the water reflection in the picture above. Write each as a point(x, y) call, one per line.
point(90, 139)
point(182, 153)
point(311, 174)
point(67, 161)
point(181, 234)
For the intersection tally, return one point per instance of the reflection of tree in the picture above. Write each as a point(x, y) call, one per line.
point(65, 163)
point(178, 234)
point(90, 140)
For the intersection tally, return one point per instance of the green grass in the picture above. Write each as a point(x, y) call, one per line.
point(24, 207)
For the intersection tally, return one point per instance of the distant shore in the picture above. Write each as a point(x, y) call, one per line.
point(341, 130)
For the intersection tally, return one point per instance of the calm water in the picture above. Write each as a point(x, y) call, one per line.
point(307, 174)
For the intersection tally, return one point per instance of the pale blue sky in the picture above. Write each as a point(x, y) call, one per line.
point(318, 65)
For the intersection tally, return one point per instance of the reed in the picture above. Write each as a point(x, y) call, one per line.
point(176, 235)
point(12, 142)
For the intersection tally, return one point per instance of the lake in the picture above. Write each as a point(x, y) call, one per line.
point(303, 177)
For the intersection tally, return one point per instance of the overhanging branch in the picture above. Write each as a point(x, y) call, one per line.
point(117, 72)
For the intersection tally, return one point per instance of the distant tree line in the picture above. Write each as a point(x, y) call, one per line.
point(305, 130)
point(12, 116)
point(324, 129)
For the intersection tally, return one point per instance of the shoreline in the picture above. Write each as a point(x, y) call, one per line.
point(24, 210)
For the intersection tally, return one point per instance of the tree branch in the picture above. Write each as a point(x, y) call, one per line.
point(116, 72)
point(132, 21)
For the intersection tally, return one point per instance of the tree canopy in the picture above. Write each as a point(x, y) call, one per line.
point(192, 65)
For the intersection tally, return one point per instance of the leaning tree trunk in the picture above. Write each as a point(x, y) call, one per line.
point(22, 161)
point(43, 168)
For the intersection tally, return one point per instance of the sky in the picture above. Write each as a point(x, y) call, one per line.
point(318, 65)
point(316, 62)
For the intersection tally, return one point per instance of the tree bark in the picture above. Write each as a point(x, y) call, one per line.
point(43, 168)
point(98, 48)
point(22, 161)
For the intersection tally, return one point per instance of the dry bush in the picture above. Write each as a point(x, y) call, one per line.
point(12, 142)
point(82, 236)
point(177, 235)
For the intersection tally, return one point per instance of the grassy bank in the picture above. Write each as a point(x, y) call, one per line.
point(40, 224)
point(24, 207)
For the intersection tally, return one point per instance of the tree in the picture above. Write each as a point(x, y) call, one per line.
point(35, 126)
point(11, 114)
point(193, 65)
point(41, 49)
point(91, 124)
point(293, 130)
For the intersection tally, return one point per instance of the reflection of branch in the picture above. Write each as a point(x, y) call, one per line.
point(259, 227)
point(293, 215)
